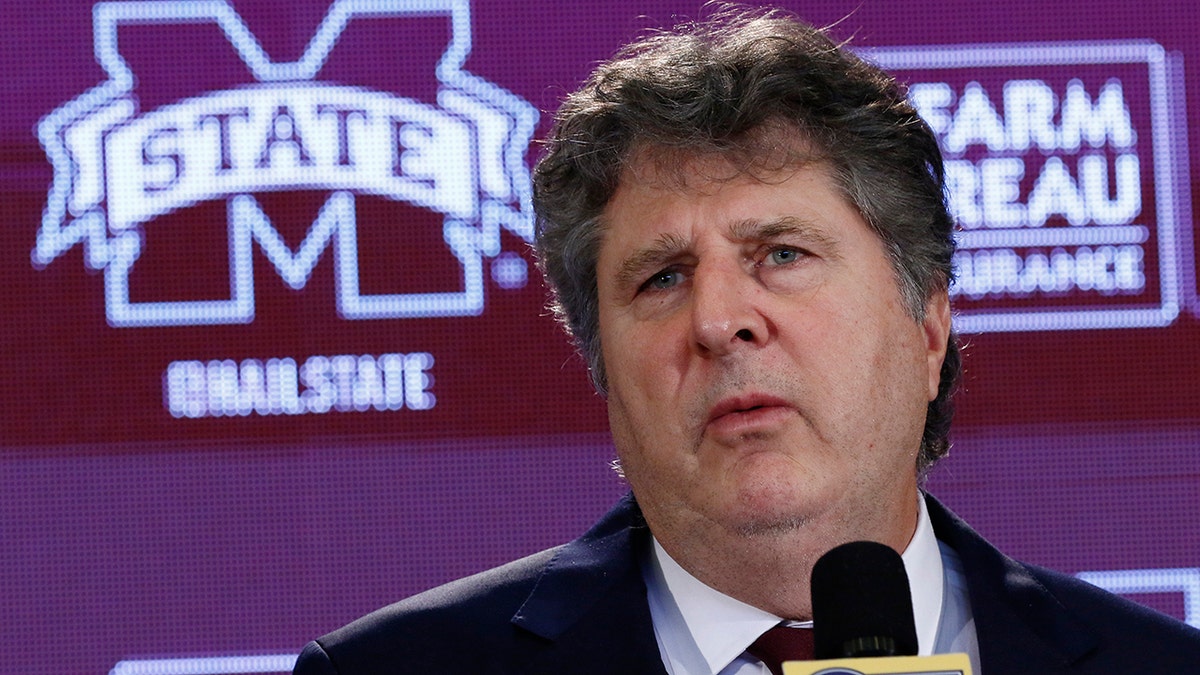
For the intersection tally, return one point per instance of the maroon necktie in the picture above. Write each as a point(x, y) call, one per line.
point(782, 644)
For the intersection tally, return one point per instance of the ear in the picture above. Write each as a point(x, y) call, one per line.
point(936, 327)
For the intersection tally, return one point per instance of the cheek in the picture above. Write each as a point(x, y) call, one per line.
point(902, 396)
point(636, 443)
point(647, 419)
point(631, 396)
point(622, 428)
point(641, 358)
point(867, 366)
point(642, 386)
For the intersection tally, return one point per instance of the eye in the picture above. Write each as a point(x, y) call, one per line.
point(783, 256)
point(663, 280)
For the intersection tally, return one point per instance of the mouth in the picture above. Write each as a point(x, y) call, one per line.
point(742, 409)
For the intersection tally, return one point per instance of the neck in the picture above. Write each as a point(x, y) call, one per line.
point(770, 568)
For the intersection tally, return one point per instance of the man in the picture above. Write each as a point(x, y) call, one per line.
point(745, 231)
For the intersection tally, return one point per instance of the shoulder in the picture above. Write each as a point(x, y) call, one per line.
point(565, 600)
point(471, 603)
point(1123, 623)
point(463, 620)
point(1032, 619)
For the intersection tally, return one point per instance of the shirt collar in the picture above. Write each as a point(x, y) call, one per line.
point(722, 627)
point(923, 564)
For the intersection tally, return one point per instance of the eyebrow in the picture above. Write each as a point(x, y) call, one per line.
point(666, 247)
point(754, 230)
point(651, 257)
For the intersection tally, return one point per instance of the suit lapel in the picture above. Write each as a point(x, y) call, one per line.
point(589, 605)
point(1022, 627)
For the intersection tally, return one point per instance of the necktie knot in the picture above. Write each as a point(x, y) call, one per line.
point(780, 644)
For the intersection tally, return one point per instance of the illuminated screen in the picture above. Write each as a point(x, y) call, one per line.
point(276, 352)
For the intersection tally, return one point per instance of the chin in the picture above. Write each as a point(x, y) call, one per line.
point(771, 511)
point(770, 526)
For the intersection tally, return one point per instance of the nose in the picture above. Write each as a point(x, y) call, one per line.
point(725, 312)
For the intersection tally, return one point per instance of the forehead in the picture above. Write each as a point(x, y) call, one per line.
point(767, 153)
point(665, 188)
point(662, 212)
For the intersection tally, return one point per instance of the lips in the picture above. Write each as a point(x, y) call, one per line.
point(733, 413)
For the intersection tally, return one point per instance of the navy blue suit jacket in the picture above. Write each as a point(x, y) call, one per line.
point(581, 608)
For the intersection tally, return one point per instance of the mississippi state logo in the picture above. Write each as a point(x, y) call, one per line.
point(119, 168)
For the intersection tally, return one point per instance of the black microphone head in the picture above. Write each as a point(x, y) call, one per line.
point(861, 603)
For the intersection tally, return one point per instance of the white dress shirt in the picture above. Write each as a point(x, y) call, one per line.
point(701, 631)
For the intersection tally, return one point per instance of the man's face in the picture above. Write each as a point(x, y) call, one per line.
point(764, 375)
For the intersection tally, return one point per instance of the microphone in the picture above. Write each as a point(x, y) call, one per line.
point(861, 603)
point(863, 618)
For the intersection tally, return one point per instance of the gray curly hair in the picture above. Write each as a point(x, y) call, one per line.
point(742, 84)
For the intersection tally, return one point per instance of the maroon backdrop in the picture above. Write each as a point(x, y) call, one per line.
point(275, 352)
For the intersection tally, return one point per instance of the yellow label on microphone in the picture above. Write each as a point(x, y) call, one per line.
point(940, 664)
